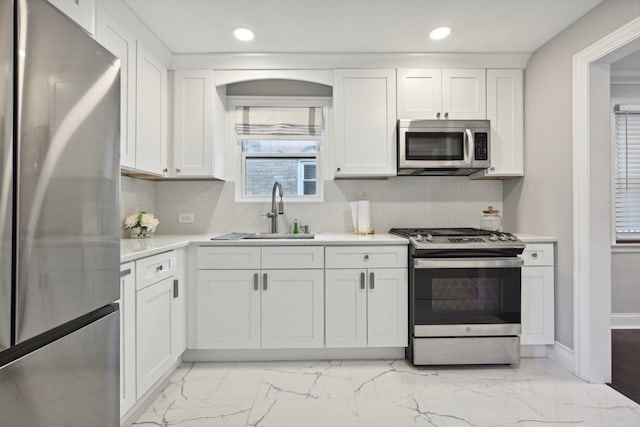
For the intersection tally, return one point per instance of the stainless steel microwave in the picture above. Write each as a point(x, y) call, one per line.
point(443, 147)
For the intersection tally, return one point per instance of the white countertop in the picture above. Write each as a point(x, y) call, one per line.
point(132, 249)
point(535, 238)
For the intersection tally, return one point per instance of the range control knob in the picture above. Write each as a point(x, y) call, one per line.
point(512, 237)
point(429, 238)
point(419, 238)
point(503, 237)
point(493, 237)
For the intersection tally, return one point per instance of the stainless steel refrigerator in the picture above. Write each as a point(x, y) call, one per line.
point(59, 228)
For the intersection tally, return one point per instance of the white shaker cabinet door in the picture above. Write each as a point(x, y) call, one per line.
point(123, 45)
point(365, 122)
point(127, 337)
point(420, 93)
point(151, 114)
point(387, 300)
point(464, 93)
point(292, 308)
point(228, 309)
point(346, 308)
point(153, 333)
point(505, 110)
point(193, 123)
point(537, 305)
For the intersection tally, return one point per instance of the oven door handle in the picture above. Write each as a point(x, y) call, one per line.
point(467, 263)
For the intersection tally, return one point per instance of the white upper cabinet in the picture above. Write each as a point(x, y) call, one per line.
point(151, 113)
point(505, 110)
point(419, 93)
point(194, 149)
point(464, 94)
point(123, 45)
point(434, 93)
point(365, 122)
point(81, 11)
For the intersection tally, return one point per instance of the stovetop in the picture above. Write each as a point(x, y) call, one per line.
point(451, 238)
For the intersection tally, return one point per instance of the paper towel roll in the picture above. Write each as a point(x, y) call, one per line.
point(364, 220)
point(354, 215)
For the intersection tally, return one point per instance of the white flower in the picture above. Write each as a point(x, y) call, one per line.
point(149, 221)
point(130, 221)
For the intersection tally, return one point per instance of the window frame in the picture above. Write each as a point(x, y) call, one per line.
point(631, 240)
point(279, 101)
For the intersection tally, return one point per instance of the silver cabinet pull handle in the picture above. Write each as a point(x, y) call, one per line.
point(534, 255)
point(438, 115)
point(159, 268)
point(264, 282)
point(446, 115)
point(126, 272)
point(371, 281)
point(176, 291)
point(255, 281)
point(366, 257)
point(362, 286)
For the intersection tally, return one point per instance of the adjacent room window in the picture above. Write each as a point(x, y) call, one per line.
point(627, 173)
point(280, 144)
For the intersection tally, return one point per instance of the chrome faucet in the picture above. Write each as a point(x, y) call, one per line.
point(273, 215)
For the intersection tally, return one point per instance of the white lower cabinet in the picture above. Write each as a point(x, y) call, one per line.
point(366, 307)
point(153, 332)
point(538, 318)
point(228, 309)
point(158, 317)
point(292, 309)
point(260, 308)
point(127, 337)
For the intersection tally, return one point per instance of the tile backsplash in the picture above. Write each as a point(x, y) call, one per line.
point(396, 202)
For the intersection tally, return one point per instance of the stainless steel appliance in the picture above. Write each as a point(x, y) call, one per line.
point(443, 147)
point(464, 296)
point(59, 230)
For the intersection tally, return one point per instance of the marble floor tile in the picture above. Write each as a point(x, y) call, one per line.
point(385, 393)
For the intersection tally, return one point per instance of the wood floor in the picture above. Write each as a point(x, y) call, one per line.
point(625, 359)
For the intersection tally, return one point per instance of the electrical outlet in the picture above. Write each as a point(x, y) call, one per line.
point(185, 218)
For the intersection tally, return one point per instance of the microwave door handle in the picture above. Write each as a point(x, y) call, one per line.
point(470, 145)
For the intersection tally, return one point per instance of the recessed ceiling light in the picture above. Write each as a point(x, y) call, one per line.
point(440, 33)
point(243, 34)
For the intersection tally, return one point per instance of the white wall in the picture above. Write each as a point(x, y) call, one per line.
point(541, 202)
point(625, 267)
point(136, 195)
point(396, 202)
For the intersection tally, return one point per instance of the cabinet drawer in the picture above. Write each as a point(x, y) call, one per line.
point(538, 254)
point(293, 257)
point(155, 268)
point(366, 257)
point(228, 258)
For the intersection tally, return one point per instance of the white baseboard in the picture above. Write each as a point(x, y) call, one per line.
point(562, 355)
point(539, 351)
point(625, 320)
point(255, 355)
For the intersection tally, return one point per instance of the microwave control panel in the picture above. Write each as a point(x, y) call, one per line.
point(481, 146)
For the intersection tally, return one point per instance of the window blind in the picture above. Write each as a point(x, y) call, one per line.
point(279, 120)
point(627, 172)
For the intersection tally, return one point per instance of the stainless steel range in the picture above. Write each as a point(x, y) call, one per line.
point(464, 296)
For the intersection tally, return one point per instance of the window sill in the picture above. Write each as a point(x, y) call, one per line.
point(625, 248)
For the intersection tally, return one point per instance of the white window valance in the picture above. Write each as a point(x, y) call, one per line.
point(279, 121)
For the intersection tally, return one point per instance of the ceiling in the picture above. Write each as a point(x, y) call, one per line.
point(204, 26)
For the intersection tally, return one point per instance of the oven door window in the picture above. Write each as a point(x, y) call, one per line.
point(448, 146)
point(467, 296)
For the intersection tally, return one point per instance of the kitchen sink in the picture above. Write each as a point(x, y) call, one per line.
point(279, 236)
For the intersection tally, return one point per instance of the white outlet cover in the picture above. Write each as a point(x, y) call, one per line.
point(185, 218)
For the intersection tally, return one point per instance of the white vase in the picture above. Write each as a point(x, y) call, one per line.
point(138, 233)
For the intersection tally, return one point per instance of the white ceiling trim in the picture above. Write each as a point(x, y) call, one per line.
point(316, 61)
